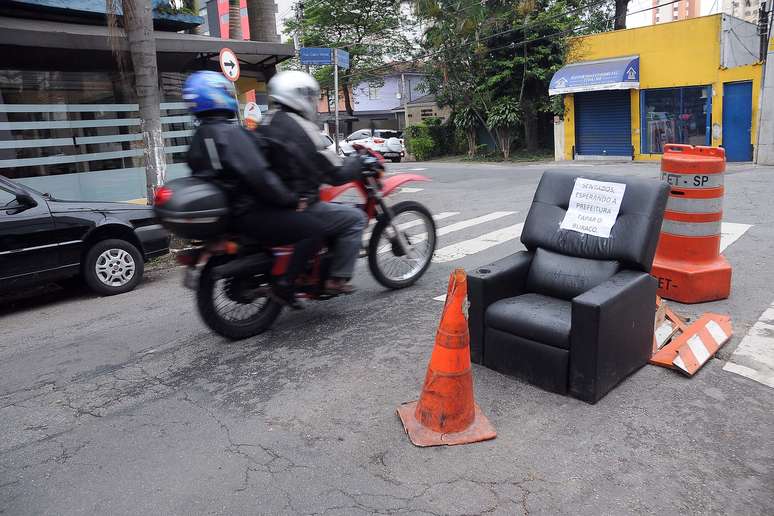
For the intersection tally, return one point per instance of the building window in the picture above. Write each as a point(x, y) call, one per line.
point(374, 92)
point(675, 115)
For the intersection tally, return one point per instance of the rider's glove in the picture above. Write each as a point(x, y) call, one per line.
point(369, 162)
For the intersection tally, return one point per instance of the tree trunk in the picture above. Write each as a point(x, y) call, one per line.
point(504, 137)
point(194, 6)
point(470, 132)
point(234, 20)
point(262, 20)
point(347, 105)
point(530, 126)
point(138, 24)
point(620, 14)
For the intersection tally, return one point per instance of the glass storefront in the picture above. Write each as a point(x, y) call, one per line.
point(675, 115)
point(77, 134)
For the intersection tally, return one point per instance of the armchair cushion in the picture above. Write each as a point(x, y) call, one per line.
point(565, 277)
point(504, 278)
point(534, 317)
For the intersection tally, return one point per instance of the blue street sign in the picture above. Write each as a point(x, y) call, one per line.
point(316, 56)
point(343, 57)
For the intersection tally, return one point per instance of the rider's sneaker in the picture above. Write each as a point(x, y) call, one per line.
point(338, 286)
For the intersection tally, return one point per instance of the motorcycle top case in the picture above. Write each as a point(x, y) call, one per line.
point(197, 209)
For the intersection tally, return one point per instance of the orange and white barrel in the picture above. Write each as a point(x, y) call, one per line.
point(688, 263)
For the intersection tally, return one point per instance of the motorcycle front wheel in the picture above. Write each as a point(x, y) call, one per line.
point(389, 265)
point(235, 308)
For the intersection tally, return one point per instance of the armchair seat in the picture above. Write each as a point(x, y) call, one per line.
point(534, 317)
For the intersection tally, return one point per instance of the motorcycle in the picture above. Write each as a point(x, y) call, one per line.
point(231, 274)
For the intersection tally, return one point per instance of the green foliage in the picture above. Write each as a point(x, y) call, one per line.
point(505, 114)
point(372, 31)
point(419, 142)
point(496, 49)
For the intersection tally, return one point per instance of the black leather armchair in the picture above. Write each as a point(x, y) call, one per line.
point(574, 312)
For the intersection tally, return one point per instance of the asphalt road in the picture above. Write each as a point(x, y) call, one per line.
point(129, 405)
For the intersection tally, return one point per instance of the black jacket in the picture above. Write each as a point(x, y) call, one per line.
point(307, 164)
point(238, 165)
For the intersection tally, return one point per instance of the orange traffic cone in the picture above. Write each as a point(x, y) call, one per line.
point(446, 412)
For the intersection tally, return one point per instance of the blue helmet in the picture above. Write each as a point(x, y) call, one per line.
point(209, 91)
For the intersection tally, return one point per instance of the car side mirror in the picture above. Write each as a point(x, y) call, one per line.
point(23, 202)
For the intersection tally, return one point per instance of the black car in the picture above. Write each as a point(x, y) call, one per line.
point(45, 239)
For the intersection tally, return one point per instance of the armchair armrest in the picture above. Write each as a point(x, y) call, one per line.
point(504, 278)
point(612, 333)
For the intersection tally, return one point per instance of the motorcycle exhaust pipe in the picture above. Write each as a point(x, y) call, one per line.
point(252, 264)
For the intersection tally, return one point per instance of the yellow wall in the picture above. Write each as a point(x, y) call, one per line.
point(682, 53)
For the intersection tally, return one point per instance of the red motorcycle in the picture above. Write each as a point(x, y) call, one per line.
point(231, 274)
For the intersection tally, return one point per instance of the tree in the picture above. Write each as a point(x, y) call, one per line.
point(483, 52)
point(465, 120)
point(136, 28)
point(372, 31)
point(261, 19)
point(234, 20)
point(620, 13)
point(503, 118)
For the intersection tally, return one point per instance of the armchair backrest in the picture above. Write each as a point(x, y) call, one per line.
point(634, 236)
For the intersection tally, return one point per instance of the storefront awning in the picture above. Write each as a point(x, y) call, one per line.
point(621, 73)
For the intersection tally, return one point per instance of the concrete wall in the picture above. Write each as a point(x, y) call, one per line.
point(387, 93)
point(766, 141)
point(682, 53)
point(740, 43)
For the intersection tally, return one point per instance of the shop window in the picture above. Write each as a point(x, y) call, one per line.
point(675, 115)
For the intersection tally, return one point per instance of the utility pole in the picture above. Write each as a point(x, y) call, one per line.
point(405, 101)
point(336, 95)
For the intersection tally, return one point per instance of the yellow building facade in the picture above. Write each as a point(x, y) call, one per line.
point(688, 72)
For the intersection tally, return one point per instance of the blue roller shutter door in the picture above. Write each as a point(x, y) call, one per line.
point(603, 123)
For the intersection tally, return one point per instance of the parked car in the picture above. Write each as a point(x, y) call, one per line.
point(46, 239)
point(387, 142)
point(331, 145)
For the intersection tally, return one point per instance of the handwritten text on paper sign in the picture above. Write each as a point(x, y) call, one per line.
point(594, 207)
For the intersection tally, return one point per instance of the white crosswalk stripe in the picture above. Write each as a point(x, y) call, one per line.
point(478, 244)
point(754, 358)
point(451, 228)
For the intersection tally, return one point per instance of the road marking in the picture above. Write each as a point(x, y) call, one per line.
point(410, 189)
point(754, 358)
point(478, 244)
point(730, 232)
point(457, 226)
point(416, 222)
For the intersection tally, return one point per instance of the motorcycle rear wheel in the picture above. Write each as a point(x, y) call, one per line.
point(418, 227)
point(231, 315)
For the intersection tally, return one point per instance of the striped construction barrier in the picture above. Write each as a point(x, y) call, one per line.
point(699, 342)
point(688, 263)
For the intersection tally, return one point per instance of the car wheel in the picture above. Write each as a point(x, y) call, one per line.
point(113, 267)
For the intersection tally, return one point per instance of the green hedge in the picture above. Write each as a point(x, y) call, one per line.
point(433, 138)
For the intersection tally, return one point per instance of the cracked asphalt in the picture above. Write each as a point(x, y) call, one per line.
point(129, 405)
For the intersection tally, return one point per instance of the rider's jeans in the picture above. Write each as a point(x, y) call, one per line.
point(344, 225)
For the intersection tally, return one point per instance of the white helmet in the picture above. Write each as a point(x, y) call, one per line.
point(296, 90)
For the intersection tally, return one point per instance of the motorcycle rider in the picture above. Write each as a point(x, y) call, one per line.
point(294, 96)
point(261, 205)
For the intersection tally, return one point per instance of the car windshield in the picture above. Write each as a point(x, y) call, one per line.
point(387, 134)
point(25, 187)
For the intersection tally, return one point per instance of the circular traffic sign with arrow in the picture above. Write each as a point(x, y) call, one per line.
point(229, 64)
